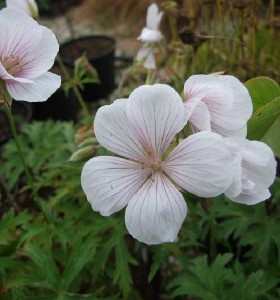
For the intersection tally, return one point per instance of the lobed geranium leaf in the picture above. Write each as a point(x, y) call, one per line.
point(81, 254)
point(262, 90)
point(263, 119)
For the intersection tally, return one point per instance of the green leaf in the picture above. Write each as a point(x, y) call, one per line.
point(263, 119)
point(81, 254)
point(262, 90)
point(44, 261)
point(272, 137)
point(204, 280)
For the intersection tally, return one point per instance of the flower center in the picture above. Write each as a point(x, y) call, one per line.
point(11, 64)
point(152, 166)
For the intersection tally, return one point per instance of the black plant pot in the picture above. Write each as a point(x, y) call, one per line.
point(99, 51)
point(22, 113)
point(58, 107)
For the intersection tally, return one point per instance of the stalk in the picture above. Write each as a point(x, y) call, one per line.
point(75, 89)
point(15, 135)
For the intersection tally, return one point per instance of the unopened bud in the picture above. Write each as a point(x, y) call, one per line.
point(88, 142)
point(83, 154)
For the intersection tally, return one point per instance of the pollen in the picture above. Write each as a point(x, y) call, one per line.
point(11, 64)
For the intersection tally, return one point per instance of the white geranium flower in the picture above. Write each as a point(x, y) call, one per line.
point(220, 104)
point(258, 169)
point(147, 176)
point(150, 36)
point(27, 52)
point(151, 33)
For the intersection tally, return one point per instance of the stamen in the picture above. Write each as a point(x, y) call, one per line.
point(11, 64)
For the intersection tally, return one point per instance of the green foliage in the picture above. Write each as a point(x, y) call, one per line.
point(262, 90)
point(264, 124)
point(57, 250)
point(219, 281)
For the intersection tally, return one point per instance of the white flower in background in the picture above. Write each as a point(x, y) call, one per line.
point(150, 35)
point(147, 178)
point(146, 55)
point(28, 6)
point(258, 169)
point(220, 104)
point(27, 52)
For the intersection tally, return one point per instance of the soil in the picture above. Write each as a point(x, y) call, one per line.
point(91, 47)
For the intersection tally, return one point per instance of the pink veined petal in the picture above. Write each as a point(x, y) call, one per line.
point(19, 33)
point(39, 90)
point(32, 45)
point(146, 55)
point(153, 17)
point(200, 118)
point(240, 132)
point(251, 198)
point(110, 182)
point(201, 164)
point(235, 188)
point(190, 105)
point(4, 75)
point(157, 114)
point(42, 56)
point(156, 213)
point(242, 107)
point(258, 166)
point(234, 117)
point(227, 99)
point(114, 131)
point(209, 90)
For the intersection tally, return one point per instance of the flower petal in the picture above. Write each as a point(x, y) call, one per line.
point(28, 6)
point(150, 36)
point(153, 16)
point(6, 76)
point(156, 213)
point(114, 131)
point(208, 89)
point(39, 90)
point(19, 33)
point(258, 170)
point(146, 56)
point(235, 188)
point(201, 164)
point(227, 99)
point(110, 182)
point(42, 56)
point(157, 114)
point(200, 118)
point(240, 132)
point(241, 109)
point(251, 198)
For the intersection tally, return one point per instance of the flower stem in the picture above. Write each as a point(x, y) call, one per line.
point(149, 78)
point(15, 135)
point(75, 89)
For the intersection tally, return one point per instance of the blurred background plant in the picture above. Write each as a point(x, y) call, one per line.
point(64, 250)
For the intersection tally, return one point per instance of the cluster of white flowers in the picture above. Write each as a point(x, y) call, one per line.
point(148, 175)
